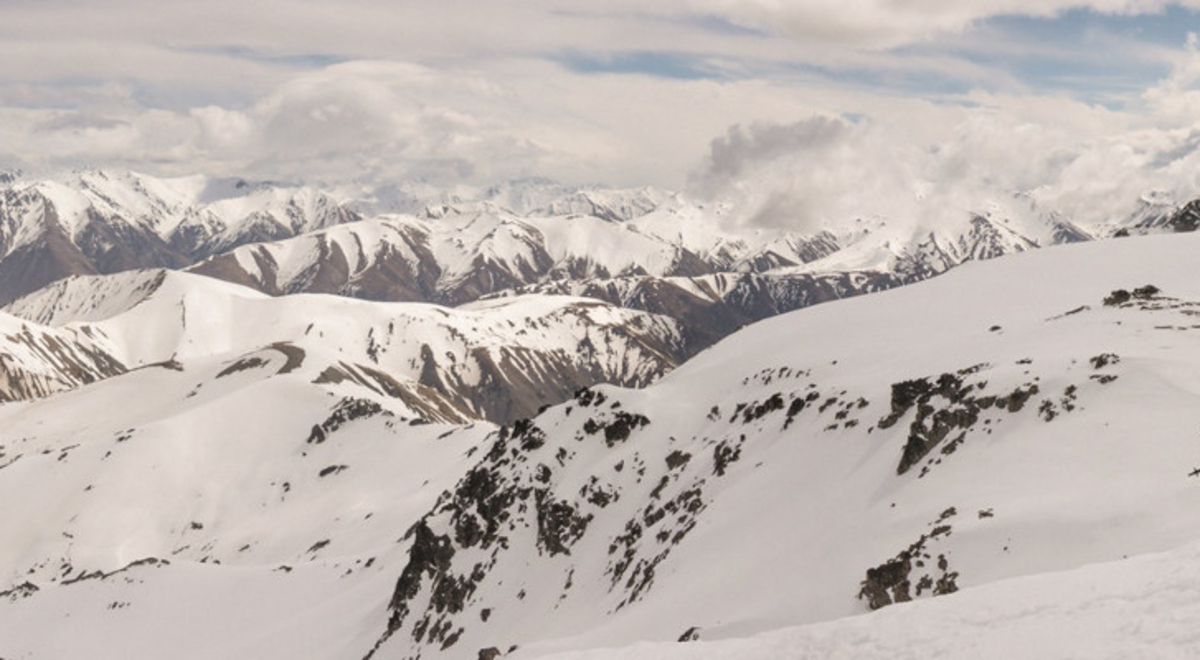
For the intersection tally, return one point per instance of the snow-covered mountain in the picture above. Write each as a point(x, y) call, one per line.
point(415, 243)
point(455, 254)
point(799, 474)
point(499, 360)
point(103, 222)
point(529, 196)
point(1160, 215)
point(679, 259)
point(37, 361)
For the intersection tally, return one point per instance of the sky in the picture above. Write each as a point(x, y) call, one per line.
point(837, 106)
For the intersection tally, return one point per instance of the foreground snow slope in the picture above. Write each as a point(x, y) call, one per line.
point(978, 433)
point(1143, 607)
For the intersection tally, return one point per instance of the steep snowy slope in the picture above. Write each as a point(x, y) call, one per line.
point(499, 360)
point(969, 435)
point(998, 422)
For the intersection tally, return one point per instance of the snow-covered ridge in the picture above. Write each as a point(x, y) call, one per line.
point(36, 361)
point(499, 360)
point(83, 298)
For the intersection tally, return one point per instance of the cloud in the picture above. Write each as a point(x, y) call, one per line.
point(742, 146)
point(809, 174)
point(883, 24)
point(1176, 98)
point(928, 164)
point(78, 122)
point(393, 120)
point(616, 92)
point(187, 54)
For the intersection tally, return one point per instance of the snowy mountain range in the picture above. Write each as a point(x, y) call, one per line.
point(239, 475)
point(536, 421)
point(646, 249)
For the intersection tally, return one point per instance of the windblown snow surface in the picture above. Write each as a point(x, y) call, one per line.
point(1000, 462)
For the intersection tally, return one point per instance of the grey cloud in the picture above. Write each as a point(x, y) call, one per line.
point(783, 208)
point(76, 121)
point(744, 148)
point(1178, 152)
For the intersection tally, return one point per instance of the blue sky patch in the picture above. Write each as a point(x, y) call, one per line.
point(1100, 58)
point(677, 66)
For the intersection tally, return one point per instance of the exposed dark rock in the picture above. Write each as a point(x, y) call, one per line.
point(677, 459)
point(19, 592)
point(530, 436)
point(1145, 292)
point(1186, 219)
point(101, 575)
point(429, 556)
point(797, 406)
point(244, 364)
point(887, 583)
point(725, 454)
point(618, 429)
point(560, 525)
point(757, 411)
point(319, 545)
point(1117, 298)
point(961, 411)
point(587, 397)
point(892, 581)
point(60, 363)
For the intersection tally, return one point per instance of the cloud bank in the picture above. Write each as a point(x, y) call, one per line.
point(805, 111)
